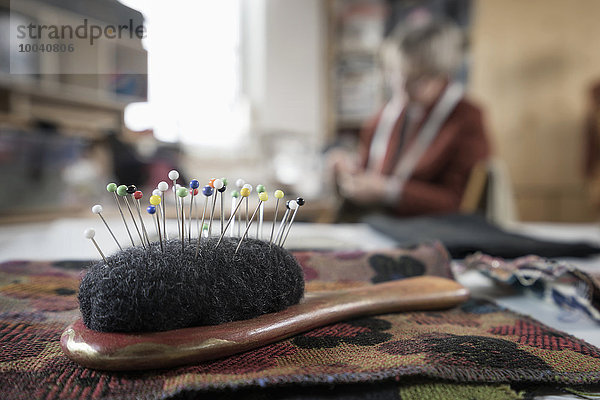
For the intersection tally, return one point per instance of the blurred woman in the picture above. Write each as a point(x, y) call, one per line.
point(416, 154)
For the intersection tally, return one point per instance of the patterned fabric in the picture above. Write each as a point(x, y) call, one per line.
point(478, 343)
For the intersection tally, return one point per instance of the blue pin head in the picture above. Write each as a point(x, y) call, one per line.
point(194, 184)
point(207, 190)
point(151, 209)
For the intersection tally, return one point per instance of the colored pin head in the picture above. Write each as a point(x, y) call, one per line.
point(138, 195)
point(156, 192)
point(111, 187)
point(263, 196)
point(89, 233)
point(235, 194)
point(97, 209)
point(151, 209)
point(300, 201)
point(224, 187)
point(207, 190)
point(218, 184)
point(194, 192)
point(248, 186)
point(131, 189)
point(182, 192)
point(211, 182)
point(260, 188)
point(194, 184)
point(279, 194)
point(162, 186)
point(287, 204)
point(245, 192)
point(240, 183)
point(155, 200)
point(122, 190)
point(173, 175)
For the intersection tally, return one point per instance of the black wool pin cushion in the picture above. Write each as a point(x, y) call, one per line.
point(150, 290)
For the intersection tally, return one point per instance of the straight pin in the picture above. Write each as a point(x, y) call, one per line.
point(207, 191)
point(234, 197)
point(278, 195)
point(112, 187)
point(299, 202)
point(260, 189)
point(97, 209)
point(216, 184)
point(240, 184)
point(194, 184)
point(174, 175)
point(163, 187)
point(263, 196)
point(89, 233)
point(137, 196)
point(249, 187)
point(284, 220)
point(151, 209)
point(222, 211)
point(130, 190)
point(182, 193)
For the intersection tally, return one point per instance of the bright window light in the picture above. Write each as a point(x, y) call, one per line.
point(193, 72)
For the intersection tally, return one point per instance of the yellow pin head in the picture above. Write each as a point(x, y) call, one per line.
point(279, 194)
point(155, 200)
point(263, 196)
point(245, 192)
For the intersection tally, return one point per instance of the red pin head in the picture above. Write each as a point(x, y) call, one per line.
point(194, 192)
point(138, 195)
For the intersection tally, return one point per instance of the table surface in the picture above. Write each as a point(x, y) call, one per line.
point(63, 239)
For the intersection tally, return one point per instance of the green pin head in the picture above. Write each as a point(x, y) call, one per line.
point(224, 181)
point(182, 192)
point(235, 194)
point(111, 187)
point(122, 190)
point(260, 188)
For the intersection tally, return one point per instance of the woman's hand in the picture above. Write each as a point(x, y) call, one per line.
point(364, 187)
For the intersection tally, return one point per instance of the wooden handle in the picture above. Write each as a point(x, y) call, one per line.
point(128, 351)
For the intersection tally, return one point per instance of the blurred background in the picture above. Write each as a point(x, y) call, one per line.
point(260, 89)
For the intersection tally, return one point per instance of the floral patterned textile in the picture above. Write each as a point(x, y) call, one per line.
point(478, 343)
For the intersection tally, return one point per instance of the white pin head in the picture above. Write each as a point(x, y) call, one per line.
point(163, 186)
point(97, 209)
point(240, 183)
point(293, 204)
point(177, 186)
point(248, 186)
point(156, 192)
point(218, 184)
point(173, 174)
point(89, 233)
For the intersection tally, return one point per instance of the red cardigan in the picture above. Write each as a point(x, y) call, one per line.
point(440, 177)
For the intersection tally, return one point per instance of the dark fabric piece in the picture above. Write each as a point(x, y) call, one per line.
point(466, 234)
point(151, 290)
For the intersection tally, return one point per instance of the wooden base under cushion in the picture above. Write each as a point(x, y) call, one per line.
point(131, 351)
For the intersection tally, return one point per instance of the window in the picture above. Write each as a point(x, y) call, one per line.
point(193, 73)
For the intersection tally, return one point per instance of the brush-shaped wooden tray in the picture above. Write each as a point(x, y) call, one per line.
point(152, 350)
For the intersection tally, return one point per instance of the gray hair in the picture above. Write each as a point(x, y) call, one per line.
point(435, 47)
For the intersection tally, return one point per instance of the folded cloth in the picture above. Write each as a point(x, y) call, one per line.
point(476, 348)
point(566, 285)
point(464, 234)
